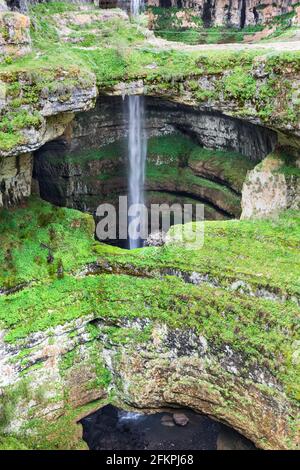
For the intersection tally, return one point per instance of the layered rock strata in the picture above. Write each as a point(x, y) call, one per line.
point(238, 13)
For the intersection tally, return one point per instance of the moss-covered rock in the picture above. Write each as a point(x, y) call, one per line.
point(213, 328)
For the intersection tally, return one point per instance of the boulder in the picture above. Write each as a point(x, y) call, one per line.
point(167, 420)
point(180, 419)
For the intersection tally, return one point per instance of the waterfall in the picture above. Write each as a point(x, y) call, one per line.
point(137, 151)
point(136, 7)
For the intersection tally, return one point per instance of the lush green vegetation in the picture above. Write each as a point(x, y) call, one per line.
point(67, 56)
point(38, 240)
point(42, 248)
point(264, 253)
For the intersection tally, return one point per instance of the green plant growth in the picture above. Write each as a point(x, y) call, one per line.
point(36, 239)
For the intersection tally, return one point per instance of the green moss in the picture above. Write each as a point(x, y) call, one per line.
point(223, 317)
point(29, 234)
point(10, 399)
point(63, 434)
point(12, 443)
point(240, 84)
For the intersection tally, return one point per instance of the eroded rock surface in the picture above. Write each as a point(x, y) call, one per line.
point(175, 367)
point(15, 179)
point(268, 190)
point(239, 13)
point(14, 34)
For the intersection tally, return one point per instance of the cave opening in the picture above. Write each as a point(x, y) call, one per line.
point(165, 3)
point(112, 428)
point(243, 14)
point(193, 157)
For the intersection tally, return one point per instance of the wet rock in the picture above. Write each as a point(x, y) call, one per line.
point(180, 419)
point(156, 239)
point(228, 439)
point(167, 420)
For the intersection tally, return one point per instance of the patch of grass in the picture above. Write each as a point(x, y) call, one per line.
point(263, 253)
point(240, 84)
point(257, 328)
point(35, 239)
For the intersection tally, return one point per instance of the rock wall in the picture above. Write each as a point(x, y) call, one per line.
point(14, 34)
point(268, 190)
point(173, 368)
point(81, 183)
point(15, 179)
point(238, 13)
point(106, 123)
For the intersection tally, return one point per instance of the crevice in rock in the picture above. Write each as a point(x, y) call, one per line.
point(243, 14)
point(198, 199)
point(241, 286)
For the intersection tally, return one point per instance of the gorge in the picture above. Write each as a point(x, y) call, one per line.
point(211, 332)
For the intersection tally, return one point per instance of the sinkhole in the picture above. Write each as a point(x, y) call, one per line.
point(153, 151)
point(111, 428)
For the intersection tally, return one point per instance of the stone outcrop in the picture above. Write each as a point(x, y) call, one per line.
point(14, 34)
point(268, 190)
point(173, 368)
point(46, 116)
point(15, 179)
point(23, 5)
point(238, 13)
point(53, 106)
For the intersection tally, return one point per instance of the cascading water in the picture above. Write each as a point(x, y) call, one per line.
point(136, 6)
point(137, 151)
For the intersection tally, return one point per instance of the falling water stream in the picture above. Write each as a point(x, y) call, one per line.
point(136, 7)
point(137, 151)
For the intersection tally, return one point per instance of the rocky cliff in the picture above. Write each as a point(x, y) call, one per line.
point(151, 328)
point(272, 186)
point(237, 13)
point(37, 107)
point(188, 156)
point(214, 329)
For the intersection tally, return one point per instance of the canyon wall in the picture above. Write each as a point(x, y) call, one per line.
point(88, 164)
point(238, 13)
point(271, 187)
point(107, 122)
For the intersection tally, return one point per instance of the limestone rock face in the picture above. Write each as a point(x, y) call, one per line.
point(238, 13)
point(15, 179)
point(76, 183)
point(268, 191)
point(14, 34)
point(173, 368)
point(55, 106)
